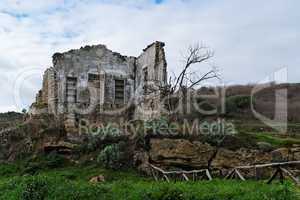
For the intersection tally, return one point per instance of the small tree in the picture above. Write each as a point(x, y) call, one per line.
point(189, 78)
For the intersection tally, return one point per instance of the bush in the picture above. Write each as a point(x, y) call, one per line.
point(237, 103)
point(32, 168)
point(54, 160)
point(36, 188)
point(50, 161)
point(8, 169)
point(110, 157)
point(97, 136)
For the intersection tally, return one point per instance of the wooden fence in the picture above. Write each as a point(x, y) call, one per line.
point(160, 174)
point(281, 170)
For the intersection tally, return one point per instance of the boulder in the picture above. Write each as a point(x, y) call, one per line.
point(97, 179)
point(180, 153)
point(226, 159)
point(281, 155)
point(229, 159)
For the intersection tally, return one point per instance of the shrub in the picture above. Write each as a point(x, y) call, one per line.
point(8, 169)
point(237, 103)
point(54, 160)
point(96, 136)
point(110, 157)
point(50, 161)
point(32, 168)
point(36, 188)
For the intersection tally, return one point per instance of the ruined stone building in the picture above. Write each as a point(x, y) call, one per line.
point(95, 83)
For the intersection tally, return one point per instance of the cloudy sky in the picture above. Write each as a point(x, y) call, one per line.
point(251, 39)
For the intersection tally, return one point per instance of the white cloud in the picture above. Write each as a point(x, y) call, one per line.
point(28, 6)
point(251, 39)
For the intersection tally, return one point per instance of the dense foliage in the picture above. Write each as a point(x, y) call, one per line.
point(110, 157)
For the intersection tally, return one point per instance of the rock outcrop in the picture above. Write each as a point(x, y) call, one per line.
point(180, 153)
point(228, 159)
point(97, 179)
point(32, 137)
point(185, 154)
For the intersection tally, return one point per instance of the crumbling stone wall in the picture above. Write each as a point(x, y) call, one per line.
point(88, 61)
point(151, 75)
point(94, 78)
point(49, 94)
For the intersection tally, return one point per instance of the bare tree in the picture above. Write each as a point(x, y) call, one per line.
point(189, 78)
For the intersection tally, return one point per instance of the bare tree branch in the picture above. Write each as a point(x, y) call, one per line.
point(209, 75)
point(196, 54)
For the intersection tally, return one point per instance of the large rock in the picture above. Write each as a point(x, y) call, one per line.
point(180, 153)
point(185, 154)
point(228, 159)
point(281, 155)
point(295, 153)
point(97, 179)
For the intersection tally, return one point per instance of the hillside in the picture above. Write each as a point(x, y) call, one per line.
point(265, 99)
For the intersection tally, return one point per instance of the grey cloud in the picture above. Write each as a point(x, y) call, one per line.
point(251, 39)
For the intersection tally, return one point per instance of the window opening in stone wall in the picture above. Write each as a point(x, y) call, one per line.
point(145, 74)
point(71, 90)
point(119, 91)
point(156, 73)
point(93, 77)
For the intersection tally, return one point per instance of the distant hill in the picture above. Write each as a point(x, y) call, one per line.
point(238, 98)
point(265, 99)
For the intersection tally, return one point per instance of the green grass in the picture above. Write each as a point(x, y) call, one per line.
point(72, 183)
point(56, 187)
point(257, 132)
point(276, 141)
point(258, 126)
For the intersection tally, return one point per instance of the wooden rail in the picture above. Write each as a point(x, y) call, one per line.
point(194, 175)
point(181, 175)
point(269, 165)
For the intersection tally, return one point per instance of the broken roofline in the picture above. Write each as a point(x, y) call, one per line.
point(88, 47)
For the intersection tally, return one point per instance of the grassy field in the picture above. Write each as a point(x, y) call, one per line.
point(255, 132)
point(73, 183)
